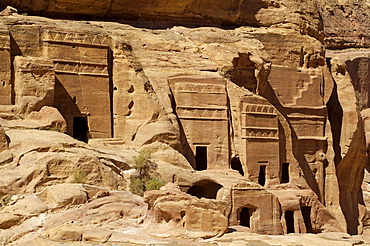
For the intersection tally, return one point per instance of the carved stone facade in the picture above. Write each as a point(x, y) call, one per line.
point(202, 108)
point(252, 133)
point(80, 59)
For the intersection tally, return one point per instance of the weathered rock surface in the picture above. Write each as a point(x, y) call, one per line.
point(254, 123)
point(43, 158)
point(201, 218)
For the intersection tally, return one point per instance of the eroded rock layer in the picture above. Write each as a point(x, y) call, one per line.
point(255, 123)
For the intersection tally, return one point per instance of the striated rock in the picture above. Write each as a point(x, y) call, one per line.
point(43, 158)
point(96, 235)
point(8, 220)
point(200, 217)
point(349, 148)
point(9, 10)
point(257, 13)
point(254, 123)
point(345, 23)
point(358, 66)
point(5, 155)
point(27, 207)
point(58, 196)
point(66, 232)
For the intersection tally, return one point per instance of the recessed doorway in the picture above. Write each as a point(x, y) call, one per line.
point(289, 220)
point(80, 129)
point(201, 158)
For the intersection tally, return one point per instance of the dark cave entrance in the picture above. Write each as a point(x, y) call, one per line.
point(289, 220)
point(306, 213)
point(245, 216)
point(205, 188)
point(285, 173)
point(237, 165)
point(80, 129)
point(262, 175)
point(200, 158)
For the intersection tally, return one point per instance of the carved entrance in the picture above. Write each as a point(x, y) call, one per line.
point(205, 188)
point(285, 173)
point(80, 128)
point(289, 220)
point(201, 158)
point(306, 213)
point(245, 216)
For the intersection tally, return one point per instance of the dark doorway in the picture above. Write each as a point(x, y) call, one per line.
point(201, 158)
point(262, 175)
point(205, 188)
point(80, 128)
point(236, 165)
point(306, 213)
point(289, 220)
point(285, 173)
point(245, 216)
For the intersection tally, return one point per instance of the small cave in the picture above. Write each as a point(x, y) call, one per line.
point(289, 220)
point(237, 165)
point(200, 158)
point(205, 188)
point(306, 214)
point(80, 129)
point(243, 72)
point(285, 173)
point(245, 215)
point(262, 175)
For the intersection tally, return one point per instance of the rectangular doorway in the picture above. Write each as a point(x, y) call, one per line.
point(80, 129)
point(201, 158)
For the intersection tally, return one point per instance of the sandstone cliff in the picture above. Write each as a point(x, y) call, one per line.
point(239, 104)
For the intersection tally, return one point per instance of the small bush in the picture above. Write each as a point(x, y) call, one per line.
point(79, 176)
point(142, 163)
point(5, 200)
point(144, 181)
point(137, 187)
point(153, 184)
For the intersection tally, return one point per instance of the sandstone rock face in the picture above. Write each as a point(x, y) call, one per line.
point(42, 158)
point(199, 217)
point(254, 123)
point(260, 13)
point(346, 23)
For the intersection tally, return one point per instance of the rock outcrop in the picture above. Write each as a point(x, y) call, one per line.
point(238, 102)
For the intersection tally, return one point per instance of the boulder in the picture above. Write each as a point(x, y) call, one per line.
point(66, 232)
point(61, 195)
point(29, 206)
point(96, 235)
point(203, 218)
point(8, 220)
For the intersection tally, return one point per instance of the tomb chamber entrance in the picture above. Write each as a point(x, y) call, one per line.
point(205, 188)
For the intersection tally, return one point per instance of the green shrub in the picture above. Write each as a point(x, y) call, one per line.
point(137, 187)
point(79, 176)
point(5, 200)
point(153, 184)
point(142, 163)
point(144, 181)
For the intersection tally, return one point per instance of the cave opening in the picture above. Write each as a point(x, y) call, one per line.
point(201, 158)
point(237, 165)
point(306, 213)
point(285, 173)
point(80, 129)
point(245, 217)
point(289, 220)
point(205, 188)
point(262, 175)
